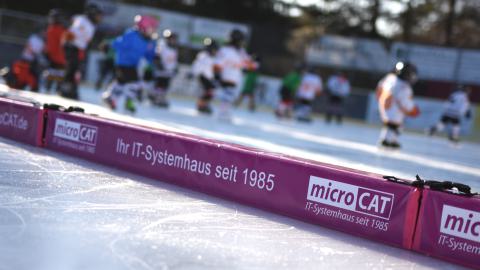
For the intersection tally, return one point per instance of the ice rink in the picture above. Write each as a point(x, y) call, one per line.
point(58, 212)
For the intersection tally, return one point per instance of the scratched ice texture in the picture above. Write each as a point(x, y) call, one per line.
point(60, 212)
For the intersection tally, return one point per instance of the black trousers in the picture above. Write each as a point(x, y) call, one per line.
point(69, 87)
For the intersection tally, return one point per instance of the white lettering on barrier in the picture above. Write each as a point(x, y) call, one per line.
point(460, 222)
point(332, 193)
point(13, 120)
point(76, 132)
point(350, 197)
point(456, 244)
point(230, 173)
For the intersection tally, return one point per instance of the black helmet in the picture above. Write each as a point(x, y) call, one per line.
point(237, 37)
point(406, 71)
point(169, 34)
point(464, 88)
point(55, 15)
point(92, 10)
point(210, 45)
point(171, 37)
point(300, 67)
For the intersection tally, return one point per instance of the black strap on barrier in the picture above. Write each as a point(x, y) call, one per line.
point(448, 186)
point(56, 107)
point(415, 183)
point(75, 109)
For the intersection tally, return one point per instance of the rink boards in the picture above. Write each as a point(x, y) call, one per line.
point(398, 213)
point(21, 121)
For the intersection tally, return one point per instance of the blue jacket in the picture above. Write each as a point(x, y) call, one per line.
point(131, 47)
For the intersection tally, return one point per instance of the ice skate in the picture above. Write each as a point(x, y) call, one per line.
point(161, 103)
point(389, 145)
point(205, 109)
point(304, 119)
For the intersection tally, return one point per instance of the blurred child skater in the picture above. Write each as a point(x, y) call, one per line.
point(76, 41)
point(203, 69)
point(54, 50)
point(136, 43)
point(25, 71)
point(310, 87)
point(164, 67)
point(395, 101)
point(231, 60)
point(457, 107)
point(288, 90)
point(338, 88)
point(107, 64)
point(249, 84)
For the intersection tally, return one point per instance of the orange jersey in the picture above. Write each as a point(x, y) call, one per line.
point(54, 48)
point(22, 71)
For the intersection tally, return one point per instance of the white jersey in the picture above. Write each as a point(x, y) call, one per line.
point(83, 30)
point(338, 86)
point(395, 99)
point(457, 105)
point(310, 86)
point(231, 62)
point(203, 65)
point(169, 58)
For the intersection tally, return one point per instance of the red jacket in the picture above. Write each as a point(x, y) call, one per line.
point(54, 48)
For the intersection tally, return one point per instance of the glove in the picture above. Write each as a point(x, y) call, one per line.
point(148, 75)
point(414, 112)
point(468, 114)
point(104, 47)
point(68, 37)
point(217, 76)
point(157, 62)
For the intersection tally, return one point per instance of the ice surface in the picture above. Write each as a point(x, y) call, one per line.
point(59, 212)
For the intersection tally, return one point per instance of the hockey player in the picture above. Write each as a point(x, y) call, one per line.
point(25, 71)
point(457, 107)
point(288, 91)
point(310, 87)
point(231, 60)
point(164, 67)
point(76, 41)
point(203, 69)
point(53, 50)
point(395, 101)
point(106, 65)
point(136, 43)
point(338, 88)
point(249, 84)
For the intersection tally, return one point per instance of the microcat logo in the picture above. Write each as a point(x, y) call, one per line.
point(350, 197)
point(460, 222)
point(76, 132)
point(13, 120)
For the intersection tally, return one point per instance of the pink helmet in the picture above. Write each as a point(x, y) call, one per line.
point(146, 24)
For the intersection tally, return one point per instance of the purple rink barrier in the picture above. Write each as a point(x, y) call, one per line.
point(449, 228)
point(21, 121)
point(351, 201)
